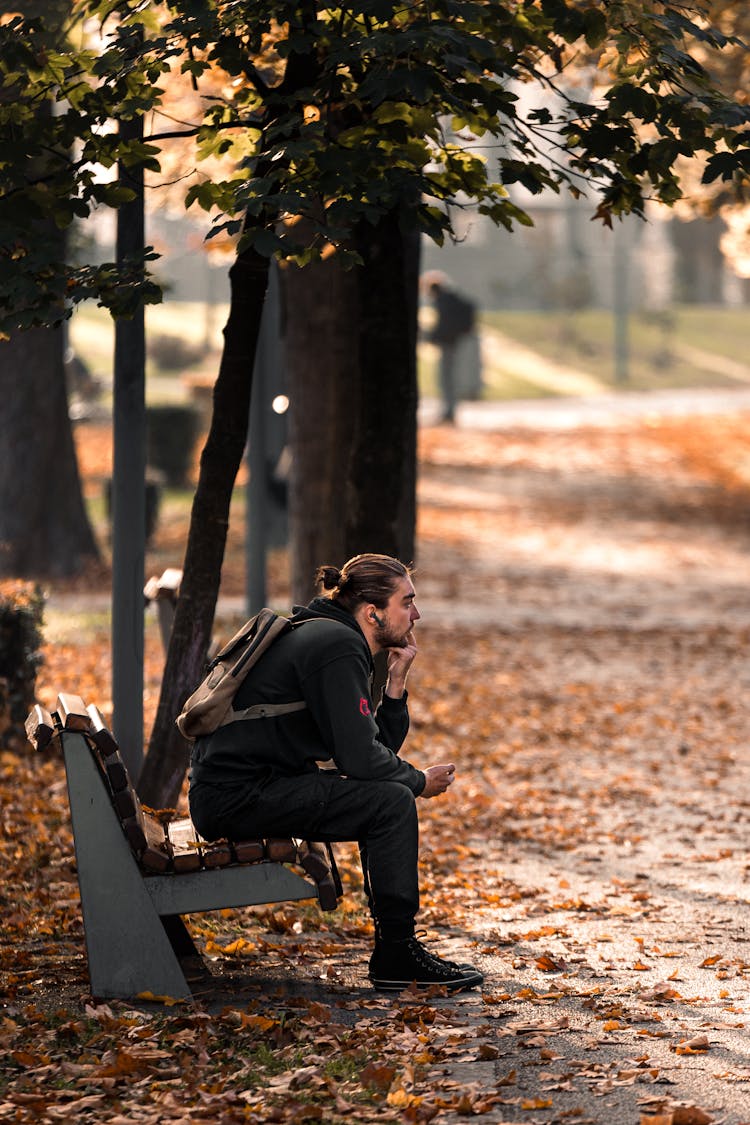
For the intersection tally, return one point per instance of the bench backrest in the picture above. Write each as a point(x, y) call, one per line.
point(159, 844)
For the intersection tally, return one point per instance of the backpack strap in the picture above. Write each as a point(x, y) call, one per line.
point(262, 711)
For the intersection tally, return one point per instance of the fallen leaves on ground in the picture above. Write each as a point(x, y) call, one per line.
point(588, 675)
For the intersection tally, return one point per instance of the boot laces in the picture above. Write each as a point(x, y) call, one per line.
point(430, 960)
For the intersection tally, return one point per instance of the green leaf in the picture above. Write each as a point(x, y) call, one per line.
point(595, 27)
point(726, 165)
point(398, 88)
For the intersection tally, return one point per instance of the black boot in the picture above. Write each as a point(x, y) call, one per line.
point(397, 964)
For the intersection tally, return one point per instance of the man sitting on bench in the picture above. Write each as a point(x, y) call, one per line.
point(261, 777)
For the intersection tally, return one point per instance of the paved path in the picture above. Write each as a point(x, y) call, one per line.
point(605, 892)
point(599, 409)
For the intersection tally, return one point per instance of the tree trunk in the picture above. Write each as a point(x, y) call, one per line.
point(44, 528)
point(351, 360)
point(166, 761)
point(321, 356)
point(380, 511)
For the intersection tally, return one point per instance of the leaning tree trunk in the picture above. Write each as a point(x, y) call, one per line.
point(44, 528)
point(166, 761)
point(321, 356)
point(380, 511)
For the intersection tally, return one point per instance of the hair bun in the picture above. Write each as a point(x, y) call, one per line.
point(329, 577)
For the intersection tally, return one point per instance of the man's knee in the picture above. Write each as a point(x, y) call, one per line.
point(396, 802)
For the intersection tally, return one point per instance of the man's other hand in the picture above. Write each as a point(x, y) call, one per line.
point(438, 779)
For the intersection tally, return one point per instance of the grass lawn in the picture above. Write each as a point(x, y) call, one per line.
point(689, 345)
point(190, 331)
point(661, 348)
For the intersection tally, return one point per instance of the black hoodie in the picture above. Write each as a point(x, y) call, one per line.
point(325, 661)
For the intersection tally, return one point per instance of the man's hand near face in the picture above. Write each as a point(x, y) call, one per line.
point(400, 660)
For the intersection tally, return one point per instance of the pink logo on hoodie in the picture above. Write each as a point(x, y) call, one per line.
point(364, 706)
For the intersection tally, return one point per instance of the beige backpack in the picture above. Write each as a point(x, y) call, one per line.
point(211, 704)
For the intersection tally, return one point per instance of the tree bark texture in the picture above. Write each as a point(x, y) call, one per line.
point(167, 758)
point(320, 317)
point(44, 527)
point(380, 509)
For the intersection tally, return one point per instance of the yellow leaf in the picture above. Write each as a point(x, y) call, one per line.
point(401, 1099)
point(260, 1023)
point(234, 949)
point(695, 1046)
point(152, 998)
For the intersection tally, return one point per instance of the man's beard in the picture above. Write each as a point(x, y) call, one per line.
point(388, 637)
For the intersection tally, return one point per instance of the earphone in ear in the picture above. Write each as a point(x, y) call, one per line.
point(376, 619)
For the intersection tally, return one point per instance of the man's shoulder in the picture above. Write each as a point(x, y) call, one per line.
point(315, 630)
point(326, 637)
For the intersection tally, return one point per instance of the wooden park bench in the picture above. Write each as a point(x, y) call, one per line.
point(138, 874)
point(163, 591)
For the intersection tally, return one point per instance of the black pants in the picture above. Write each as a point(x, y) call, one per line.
point(447, 379)
point(380, 815)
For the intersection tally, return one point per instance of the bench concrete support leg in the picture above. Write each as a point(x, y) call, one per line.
point(129, 951)
point(165, 608)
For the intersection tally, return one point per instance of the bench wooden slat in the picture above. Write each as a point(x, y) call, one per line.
point(183, 842)
point(116, 771)
point(110, 759)
point(125, 804)
point(151, 589)
point(72, 712)
point(109, 752)
point(216, 853)
point(167, 585)
point(146, 838)
point(281, 851)
point(136, 837)
point(156, 854)
point(163, 592)
point(248, 851)
point(40, 727)
point(101, 733)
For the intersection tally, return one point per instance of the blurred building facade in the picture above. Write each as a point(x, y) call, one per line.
point(566, 260)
